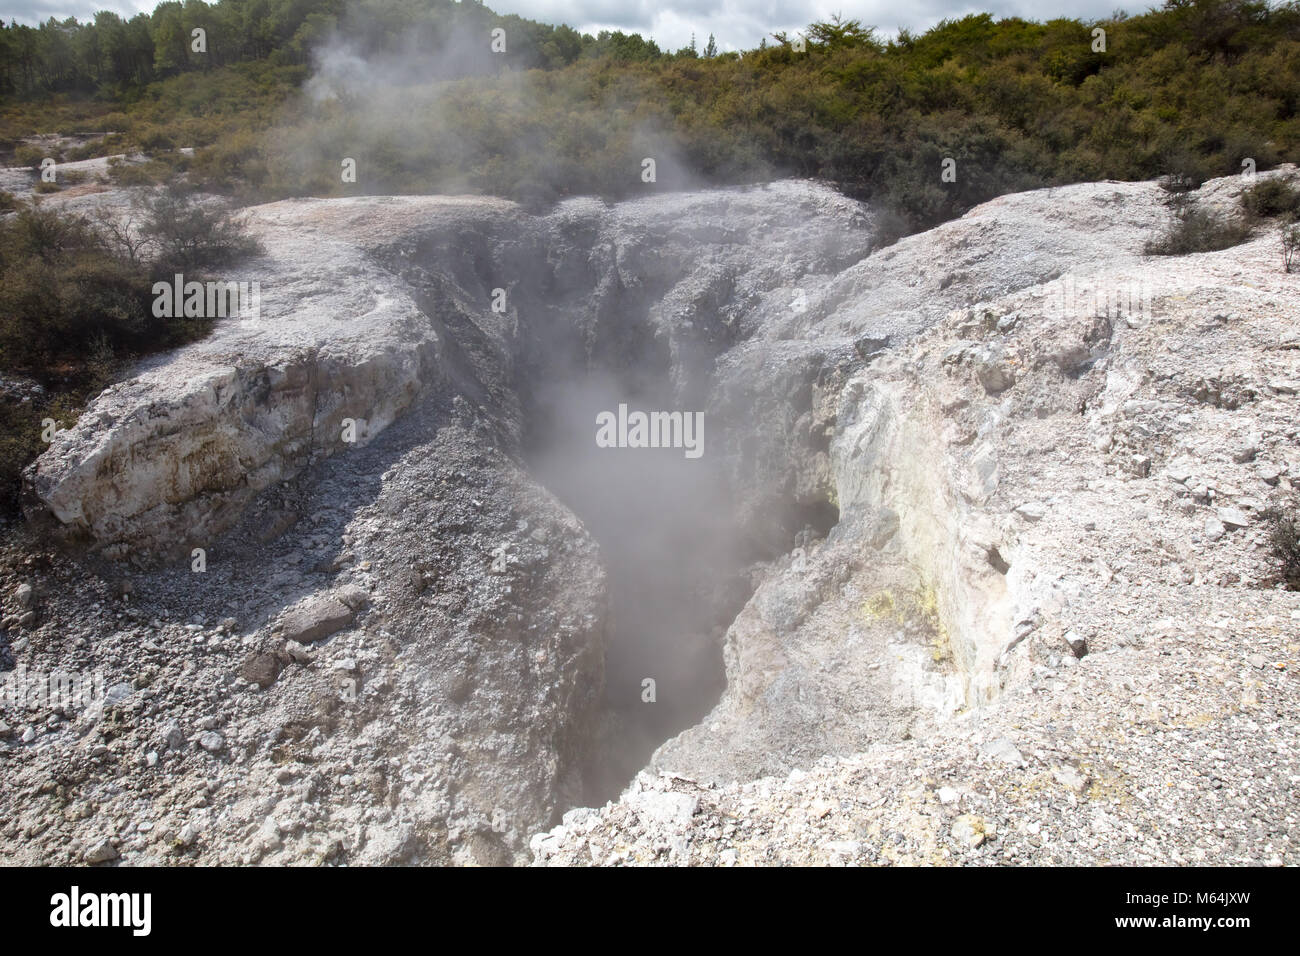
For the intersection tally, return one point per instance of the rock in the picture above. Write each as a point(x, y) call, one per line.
point(29, 734)
point(1233, 518)
point(1214, 529)
point(316, 619)
point(1077, 643)
point(299, 653)
point(969, 830)
point(174, 737)
point(5, 729)
point(845, 849)
point(211, 741)
point(995, 377)
point(1140, 466)
point(24, 596)
point(264, 668)
point(665, 809)
point(353, 596)
point(1069, 778)
point(1004, 750)
point(1268, 472)
point(102, 852)
point(1032, 511)
point(947, 795)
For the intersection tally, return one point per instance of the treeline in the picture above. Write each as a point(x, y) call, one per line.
point(110, 53)
point(409, 91)
point(1192, 89)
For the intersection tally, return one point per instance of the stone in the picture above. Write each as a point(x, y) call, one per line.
point(664, 808)
point(102, 852)
point(969, 830)
point(1233, 518)
point(947, 795)
point(354, 596)
point(299, 653)
point(174, 737)
point(24, 596)
point(1268, 472)
point(263, 669)
point(1032, 511)
point(316, 619)
point(1004, 750)
point(211, 741)
point(1214, 529)
point(1069, 778)
point(1140, 466)
point(995, 377)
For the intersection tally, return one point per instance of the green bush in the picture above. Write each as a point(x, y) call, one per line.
point(1290, 245)
point(1195, 230)
point(189, 233)
point(1271, 197)
point(1284, 538)
point(28, 155)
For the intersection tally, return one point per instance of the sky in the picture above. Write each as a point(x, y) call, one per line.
point(737, 24)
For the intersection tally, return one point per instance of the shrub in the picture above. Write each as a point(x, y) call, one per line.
point(1284, 538)
point(1290, 245)
point(189, 233)
point(29, 155)
point(1195, 230)
point(1271, 197)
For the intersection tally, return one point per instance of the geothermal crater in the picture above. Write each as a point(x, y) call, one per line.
point(431, 601)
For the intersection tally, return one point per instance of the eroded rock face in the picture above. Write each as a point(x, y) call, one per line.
point(935, 460)
point(451, 710)
point(1102, 621)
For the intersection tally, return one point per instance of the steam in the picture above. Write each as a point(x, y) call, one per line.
point(670, 545)
point(441, 112)
point(663, 516)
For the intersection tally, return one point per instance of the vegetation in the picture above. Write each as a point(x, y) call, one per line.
point(1190, 89)
point(1290, 245)
point(1284, 537)
point(1271, 197)
point(1195, 230)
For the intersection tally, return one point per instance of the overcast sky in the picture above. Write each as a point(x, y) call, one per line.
point(737, 24)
